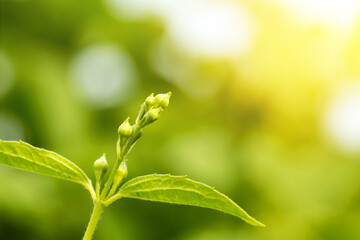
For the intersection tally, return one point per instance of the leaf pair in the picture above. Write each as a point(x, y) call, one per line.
point(156, 187)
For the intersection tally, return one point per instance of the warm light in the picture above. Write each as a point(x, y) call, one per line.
point(200, 27)
point(338, 13)
point(211, 28)
point(342, 120)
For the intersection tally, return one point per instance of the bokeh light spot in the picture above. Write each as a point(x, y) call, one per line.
point(211, 28)
point(103, 75)
point(342, 119)
point(204, 28)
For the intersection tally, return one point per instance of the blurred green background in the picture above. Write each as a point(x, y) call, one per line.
point(265, 108)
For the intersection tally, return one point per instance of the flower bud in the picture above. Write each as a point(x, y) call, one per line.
point(150, 100)
point(151, 116)
point(154, 114)
point(163, 99)
point(100, 167)
point(123, 170)
point(125, 129)
point(121, 173)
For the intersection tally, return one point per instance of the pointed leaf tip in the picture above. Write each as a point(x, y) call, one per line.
point(181, 190)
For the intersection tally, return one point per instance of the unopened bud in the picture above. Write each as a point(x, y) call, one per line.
point(154, 114)
point(123, 170)
point(100, 167)
point(150, 100)
point(125, 129)
point(121, 173)
point(163, 99)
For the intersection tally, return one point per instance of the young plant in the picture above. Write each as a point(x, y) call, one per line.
point(155, 187)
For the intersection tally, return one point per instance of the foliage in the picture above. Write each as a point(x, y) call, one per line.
point(156, 187)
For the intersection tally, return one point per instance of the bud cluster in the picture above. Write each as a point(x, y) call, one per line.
point(152, 107)
point(128, 135)
point(149, 112)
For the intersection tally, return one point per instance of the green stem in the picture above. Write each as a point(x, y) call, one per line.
point(112, 199)
point(112, 191)
point(123, 154)
point(95, 216)
point(91, 190)
point(110, 179)
point(97, 189)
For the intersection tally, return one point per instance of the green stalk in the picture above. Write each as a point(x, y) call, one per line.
point(97, 189)
point(112, 191)
point(95, 216)
point(131, 134)
point(110, 179)
point(123, 154)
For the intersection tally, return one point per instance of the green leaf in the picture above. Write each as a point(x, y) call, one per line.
point(181, 190)
point(26, 157)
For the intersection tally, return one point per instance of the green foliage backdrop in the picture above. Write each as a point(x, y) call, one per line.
point(268, 115)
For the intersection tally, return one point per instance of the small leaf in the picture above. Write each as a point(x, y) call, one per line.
point(181, 190)
point(26, 157)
